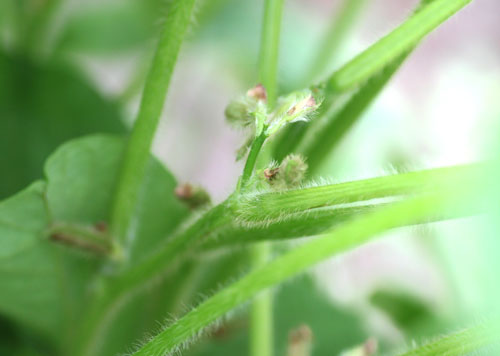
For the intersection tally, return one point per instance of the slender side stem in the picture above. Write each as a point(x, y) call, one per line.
point(252, 160)
point(318, 142)
point(140, 141)
point(261, 339)
point(400, 40)
point(81, 237)
point(346, 237)
point(269, 49)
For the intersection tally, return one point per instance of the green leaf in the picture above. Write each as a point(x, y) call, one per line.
point(30, 290)
point(42, 284)
point(81, 178)
point(42, 107)
point(81, 175)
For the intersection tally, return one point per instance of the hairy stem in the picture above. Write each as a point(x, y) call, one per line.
point(139, 144)
point(470, 340)
point(347, 236)
point(270, 206)
point(252, 160)
point(135, 279)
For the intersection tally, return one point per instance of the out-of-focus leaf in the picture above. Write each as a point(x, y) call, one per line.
point(412, 315)
point(301, 302)
point(41, 107)
point(112, 27)
point(42, 284)
point(30, 291)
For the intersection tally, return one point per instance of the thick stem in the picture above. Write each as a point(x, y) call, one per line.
point(139, 145)
point(346, 237)
point(275, 206)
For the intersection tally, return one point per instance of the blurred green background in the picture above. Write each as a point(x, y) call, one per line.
point(69, 68)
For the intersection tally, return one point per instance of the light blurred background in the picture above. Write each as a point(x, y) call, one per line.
point(438, 110)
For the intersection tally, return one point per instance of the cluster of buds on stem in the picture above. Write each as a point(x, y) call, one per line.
point(248, 112)
point(297, 106)
point(252, 112)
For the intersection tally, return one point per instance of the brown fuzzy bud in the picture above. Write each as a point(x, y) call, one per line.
point(258, 92)
point(194, 196)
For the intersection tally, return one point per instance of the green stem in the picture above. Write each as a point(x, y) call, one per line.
point(261, 337)
point(119, 290)
point(320, 140)
point(347, 236)
point(252, 160)
point(395, 44)
point(139, 145)
point(269, 49)
point(261, 315)
point(264, 208)
point(226, 221)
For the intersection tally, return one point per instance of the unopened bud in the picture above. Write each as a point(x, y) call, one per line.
point(237, 113)
point(295, 107)
point(293, 170)
point(258, 92)
point(300, 341)
point(250, 110)
point(289, 174)
point(194, 196)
